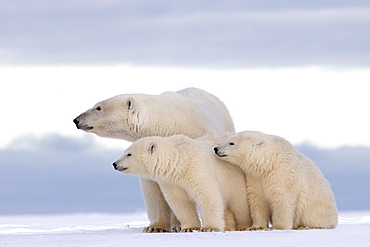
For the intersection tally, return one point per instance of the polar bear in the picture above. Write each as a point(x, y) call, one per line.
point(190, 175)
point(284, 187)
point(192, 112)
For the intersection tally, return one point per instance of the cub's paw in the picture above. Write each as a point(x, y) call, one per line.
point(308, 228)
point(150, 229)
point(209, 229)
point(279, 228)
point(257, 228)
point(240, 229)
point(176, 229)
point(190, 229)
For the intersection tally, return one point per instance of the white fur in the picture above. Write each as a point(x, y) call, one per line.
point(192, 112)
point(284, 187)
point(190, 175)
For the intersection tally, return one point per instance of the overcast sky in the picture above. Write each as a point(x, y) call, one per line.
point(326, 108)
point(298, 69)
point(57, 174)
point(222, 34)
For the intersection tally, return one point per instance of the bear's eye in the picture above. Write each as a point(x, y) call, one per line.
point(231, 143)
point(129, 154)
point(98, 108)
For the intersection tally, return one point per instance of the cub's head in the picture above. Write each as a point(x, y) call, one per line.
point(111, 118)
point(140, 158)
point(240, 148)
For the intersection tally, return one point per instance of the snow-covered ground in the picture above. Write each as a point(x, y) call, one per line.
point(100, 229)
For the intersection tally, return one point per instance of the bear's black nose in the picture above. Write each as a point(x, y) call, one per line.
point(115, 165)
point(76, 122)
point(216, 149)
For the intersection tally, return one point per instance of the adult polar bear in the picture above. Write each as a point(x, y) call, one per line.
point(191, 111)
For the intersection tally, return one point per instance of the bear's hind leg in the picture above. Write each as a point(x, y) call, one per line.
point(283, 212)
point(230, 222)
point(175, 223)
point(242, 214)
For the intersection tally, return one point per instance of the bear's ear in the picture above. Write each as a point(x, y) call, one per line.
point(258, 144)
point(153, 147)
point(130, 103)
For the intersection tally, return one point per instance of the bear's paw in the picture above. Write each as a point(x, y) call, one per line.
point(150, 229)
point(209, 229)
point(257, 228)
point(190, 229)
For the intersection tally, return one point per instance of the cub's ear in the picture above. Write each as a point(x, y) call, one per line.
point(258, 143)
point(153, 147)
point(130, 103)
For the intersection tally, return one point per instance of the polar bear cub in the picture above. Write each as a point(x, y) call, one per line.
point(190, 176)
point(284, 187)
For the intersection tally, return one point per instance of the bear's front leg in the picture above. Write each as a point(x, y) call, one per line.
point(240, 209)
point(207, 197)
point(182, 206)
point(258, 204)
point(159, 213)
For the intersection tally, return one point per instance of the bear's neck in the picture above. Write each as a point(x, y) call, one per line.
point(152, 125)
point(260, 163)
point(169, 167)
point(164, 121)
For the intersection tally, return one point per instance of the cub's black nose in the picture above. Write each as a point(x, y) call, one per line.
point(76, 122)
point(215, 149)
point(115, 165)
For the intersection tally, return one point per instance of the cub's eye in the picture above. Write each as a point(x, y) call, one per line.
point(231, 143)
point(129, 154)
point(98, 108)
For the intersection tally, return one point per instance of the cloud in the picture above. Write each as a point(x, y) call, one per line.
point(347, 170)
point(208, 34)
point(56, 174)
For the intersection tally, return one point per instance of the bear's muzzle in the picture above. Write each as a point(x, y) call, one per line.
point(81, 126)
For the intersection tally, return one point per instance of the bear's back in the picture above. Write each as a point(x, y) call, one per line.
point(213, 108)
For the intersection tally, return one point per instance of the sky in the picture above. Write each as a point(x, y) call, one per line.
point(285, 62)
point(297, 69)
point(218, 34)
point(326, 108)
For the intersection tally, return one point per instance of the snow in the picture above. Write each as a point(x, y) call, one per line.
point(102, 229)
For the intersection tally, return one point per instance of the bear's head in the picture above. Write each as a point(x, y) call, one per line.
point(242, 148)
point(114, 117)
point(140, 158)
point(157, 158)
